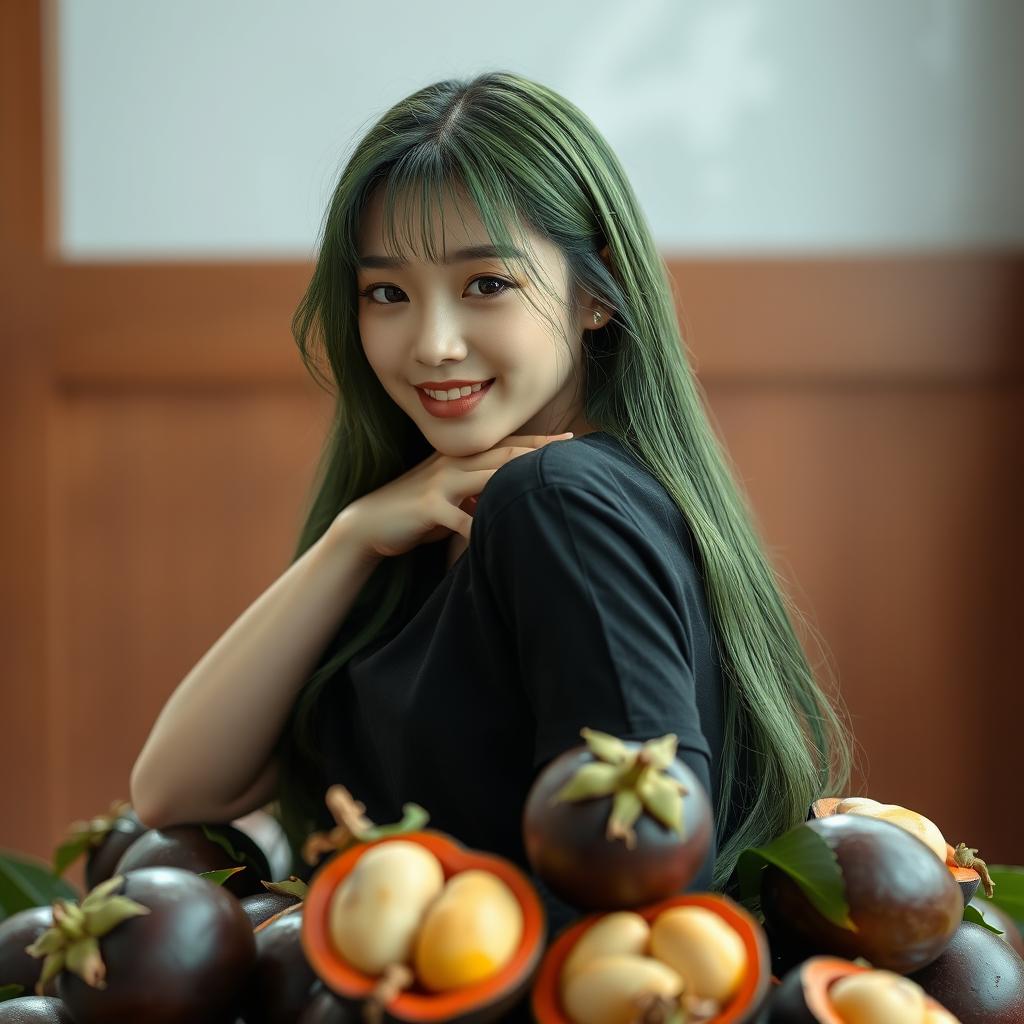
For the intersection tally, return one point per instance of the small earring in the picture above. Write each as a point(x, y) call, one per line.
point(597, 316)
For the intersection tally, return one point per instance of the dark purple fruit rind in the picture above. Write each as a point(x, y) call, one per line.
point(567, 848)
point(902, 898)
point(101, 860)
point(34, 1010)
point(999, 918)
point(279, 985)
point(787, 1003)
point(187, 960)
point(968, 888)
point(978, 977)
point(16, 932)
point(188, 847)
point(324, 1007)
point(262, 906)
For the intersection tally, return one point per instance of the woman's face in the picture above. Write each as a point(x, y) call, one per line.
point(470, 320)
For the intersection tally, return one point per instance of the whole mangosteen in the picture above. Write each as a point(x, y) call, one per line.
point(978, 977)
point(281, 981)
point(103, 839)
point(617, 824)
point(159, 945)
point(902, 899)
point(200, 848)
point(16, 932)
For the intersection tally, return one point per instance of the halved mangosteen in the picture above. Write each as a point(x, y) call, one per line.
point(978, 977)
point(487, 1000)
point(968, 870)
point(546, 1000)
point(902, 899)
point(199, 848)
point(617, 824)
point(804, 997)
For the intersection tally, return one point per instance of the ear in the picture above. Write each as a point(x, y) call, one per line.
point(590, 305)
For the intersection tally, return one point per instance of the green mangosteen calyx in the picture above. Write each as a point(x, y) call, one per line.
point(85, 835)
point(73, 941)
point(354, 827)
point(965, 856)
point(635, 779)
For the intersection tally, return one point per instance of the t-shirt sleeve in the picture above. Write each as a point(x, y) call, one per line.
point(596, 627)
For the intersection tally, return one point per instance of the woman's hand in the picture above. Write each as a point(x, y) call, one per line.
point(425, 503)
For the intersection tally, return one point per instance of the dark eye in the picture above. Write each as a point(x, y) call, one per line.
point(504, 286)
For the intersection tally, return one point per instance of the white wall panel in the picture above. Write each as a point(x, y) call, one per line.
point(215, 128)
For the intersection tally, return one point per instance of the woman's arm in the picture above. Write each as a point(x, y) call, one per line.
point(209, 754)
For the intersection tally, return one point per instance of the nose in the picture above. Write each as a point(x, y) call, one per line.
point(438, 338)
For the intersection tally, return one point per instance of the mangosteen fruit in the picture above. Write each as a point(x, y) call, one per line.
point(903, 902)
point(698, 957)
point(963, 861)
point(34, 1010)
point(16, 932)
point(324, 1007)
point(200, 848)
point(617, 824)
point(978, 977)
point(995, 916)
point(280, 984)
point(159, 945)
point(103, 839)
point(277, 896)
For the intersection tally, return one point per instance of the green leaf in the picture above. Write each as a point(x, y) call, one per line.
point(220, 876)
point(218, 837)
point(69, 851)
point(1009, 889)
point(971, 914)
point(28, 882)
point(10, 991)
point(803, 855)
point(294, 886)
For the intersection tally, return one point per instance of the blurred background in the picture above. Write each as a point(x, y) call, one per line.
point(836, 189)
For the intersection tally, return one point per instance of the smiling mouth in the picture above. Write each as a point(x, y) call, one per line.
point(476, 388)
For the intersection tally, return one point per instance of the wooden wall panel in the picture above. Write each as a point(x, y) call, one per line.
point(893, 514)
point(170, 513)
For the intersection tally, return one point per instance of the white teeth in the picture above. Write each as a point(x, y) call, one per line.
point(447, 396)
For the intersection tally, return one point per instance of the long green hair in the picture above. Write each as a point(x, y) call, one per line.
point(528, 158)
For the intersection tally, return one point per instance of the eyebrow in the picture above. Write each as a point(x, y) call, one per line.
point(474, 252)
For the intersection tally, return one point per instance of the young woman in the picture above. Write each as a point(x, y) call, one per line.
point(483, 231)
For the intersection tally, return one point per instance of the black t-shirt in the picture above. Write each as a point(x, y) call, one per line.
point(578, 602)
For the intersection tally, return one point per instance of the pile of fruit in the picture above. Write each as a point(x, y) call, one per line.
point(863, 914)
